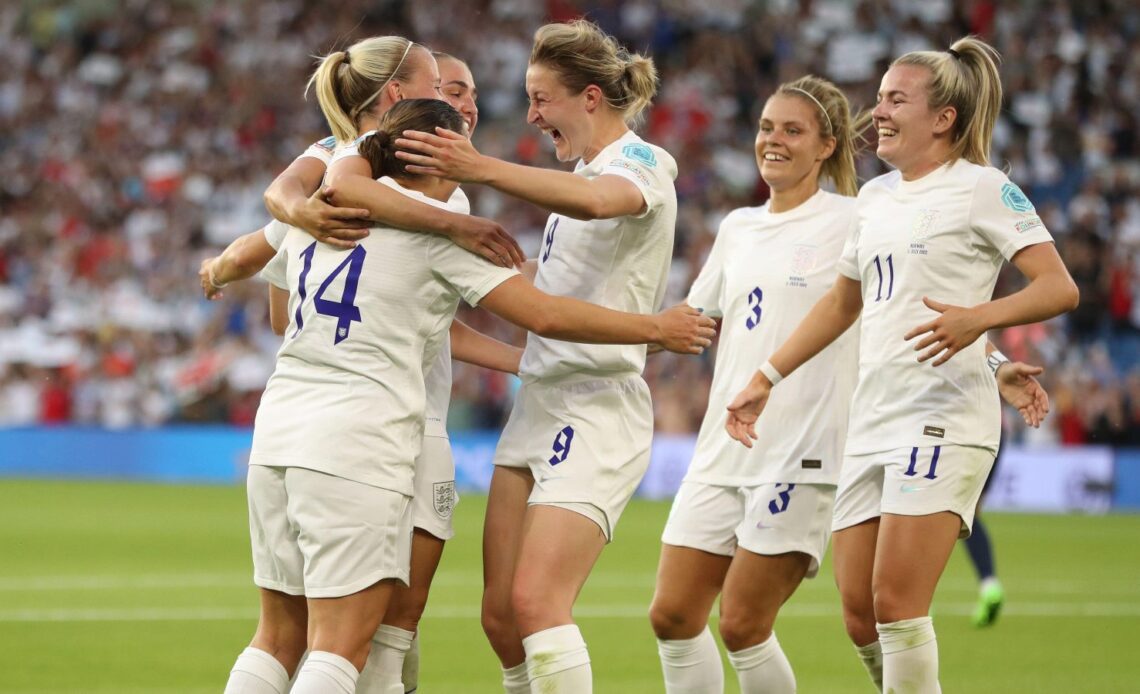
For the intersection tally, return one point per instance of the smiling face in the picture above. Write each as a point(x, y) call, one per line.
point(458, 88)
point(789, 147)
point(913, 137)
point(557, 112)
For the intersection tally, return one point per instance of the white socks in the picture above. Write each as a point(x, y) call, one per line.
point(515, 680)
point(410, 675)
point(557, 661)
point(910, 656)
point(326, 673)
point(763, 668)
point(257, 672)
point(872, 657)
point(383, 672)
point(691, 666)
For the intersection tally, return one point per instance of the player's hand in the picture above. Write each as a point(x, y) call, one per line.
point(205, 277)
point(683, 329)
point(446, 154)
point(340, 227)
point(745, 409)
point(1019, 388)
point(952, 331)
point(489, 239)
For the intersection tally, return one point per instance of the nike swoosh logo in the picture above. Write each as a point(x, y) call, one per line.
point(907, 489)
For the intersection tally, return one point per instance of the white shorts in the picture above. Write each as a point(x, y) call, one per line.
point(323, 536)
point(587, 444)
point(915, 481)
point(764, 519)
point(435, 496)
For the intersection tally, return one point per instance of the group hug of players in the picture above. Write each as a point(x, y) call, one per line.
point(854, 400)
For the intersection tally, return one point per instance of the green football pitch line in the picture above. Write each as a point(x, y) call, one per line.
point(135, 588)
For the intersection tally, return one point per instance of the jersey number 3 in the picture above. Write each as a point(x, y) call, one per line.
point(345, 311)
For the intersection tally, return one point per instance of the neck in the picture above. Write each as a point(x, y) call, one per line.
point(432, 186)
point(930, 161)
point(608, 128)
point(791, 198)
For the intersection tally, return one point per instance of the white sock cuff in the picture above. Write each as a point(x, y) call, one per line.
point(871, 650)
point(263, 666)
point(905, 634)
point(677, 648)
point(333, 666)
point(515, 679)
point(394, 637)
point(753, 656)
point(560, 648)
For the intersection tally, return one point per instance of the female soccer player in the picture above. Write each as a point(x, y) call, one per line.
point(920, 268)
point(578, 438)
point(753, 523)
point(339, 425)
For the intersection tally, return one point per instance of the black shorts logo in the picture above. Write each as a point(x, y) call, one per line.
point(937, 432)
point(811, 464)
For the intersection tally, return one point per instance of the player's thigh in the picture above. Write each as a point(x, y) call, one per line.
point(910, 557)
point(408, 602)
point(688, 581)
point(502, 527)
point(787, 518)
point(559, 549)
point(345, 625)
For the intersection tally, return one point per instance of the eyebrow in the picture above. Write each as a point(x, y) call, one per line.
point(786, 122)
point(461, 83)
point(891, 93)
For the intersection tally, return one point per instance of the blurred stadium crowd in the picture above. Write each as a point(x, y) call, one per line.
point(137, 137)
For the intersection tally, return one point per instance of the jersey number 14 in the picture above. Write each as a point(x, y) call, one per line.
point(345, 311)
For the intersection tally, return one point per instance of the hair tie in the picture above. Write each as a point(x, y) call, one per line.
point(347, 58)
point(817, 103)
point(954, 53)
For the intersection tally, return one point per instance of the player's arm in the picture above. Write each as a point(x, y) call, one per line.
point(831, 316)
point(1050, 292)
point(471, 346)
point(350, 183)
point(241, 260)
point(295, 198)
point(278, 309)
point(1018, 386)
point(450, 155)
point(679, 329)
point(529, 269)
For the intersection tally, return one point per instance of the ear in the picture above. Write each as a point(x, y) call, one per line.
point(395, 91)
point(945, 119)
point(828, 149)
point(594, 97)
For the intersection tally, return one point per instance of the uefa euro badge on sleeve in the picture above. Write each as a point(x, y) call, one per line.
point(641, 153)
point(1014, 199)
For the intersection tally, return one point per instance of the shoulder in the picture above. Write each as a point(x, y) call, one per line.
point(880, 184)
point(740, 217)
point(645, 155)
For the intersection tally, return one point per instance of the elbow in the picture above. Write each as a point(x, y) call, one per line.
point(544, 324)
point(1072, 296)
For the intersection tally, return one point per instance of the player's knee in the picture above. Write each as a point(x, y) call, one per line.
point(529, 608)
point(740, 631)
point(407, 612)
point(891, 606)
point(671, 621)
point(497, 620)
point(859, 619)
point(285, 643)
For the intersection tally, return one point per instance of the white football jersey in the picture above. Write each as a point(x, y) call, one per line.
point(347, 396)
point(765, 272)
point(943, 236)
point(321, 149)
point(619, 263)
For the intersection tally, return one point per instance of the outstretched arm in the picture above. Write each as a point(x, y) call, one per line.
point(450, 155)
point(295, 198)
point(241, 260)
point(679, 329)
point(831, 316)
point(1018, 387)
point(471, 346)
point(1050, 292)
point(350, 183)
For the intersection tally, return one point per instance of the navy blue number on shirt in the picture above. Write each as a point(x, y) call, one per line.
point(345, 311)
point(548, 239)
point(780, 503)
point(562, 442)
point(754, 299)
point(889, 264)
point(911, 472)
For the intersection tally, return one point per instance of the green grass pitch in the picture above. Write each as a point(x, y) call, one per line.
point(133, 588)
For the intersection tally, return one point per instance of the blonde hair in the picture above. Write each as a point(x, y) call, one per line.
point(966, 78)
point(833, 116)
point(582, 54)
point(349, 82)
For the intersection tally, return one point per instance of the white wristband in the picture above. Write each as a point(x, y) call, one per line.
point(770, 372)
point(214, 282)
point(994, 360)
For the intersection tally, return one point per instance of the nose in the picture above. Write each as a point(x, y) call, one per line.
point(879, 112)
point(531, 114)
